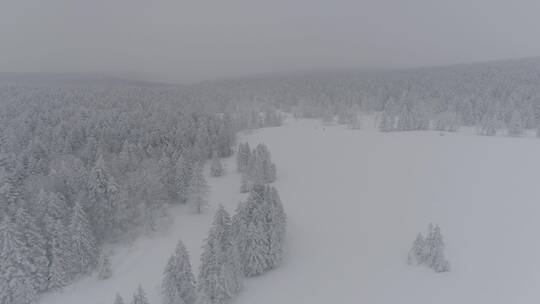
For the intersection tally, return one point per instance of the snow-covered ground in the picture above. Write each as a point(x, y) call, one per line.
point(355, 200)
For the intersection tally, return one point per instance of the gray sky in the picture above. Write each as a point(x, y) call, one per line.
point(192, 40)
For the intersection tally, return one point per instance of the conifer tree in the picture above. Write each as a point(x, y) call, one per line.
point(35, 241)
point(255, 252)
point(219, 273)
point(244, 186)
point(61, 257)
point(102, 193)
point(184, 172)
point(242, 157)
point(417, 254)
point(168, 177)
point(198, 191)
point(17, 285)
point(118, 300)
point(105, 268)
point(139, 297)
point(83, 244)
point(178, 281)
point(216, 167)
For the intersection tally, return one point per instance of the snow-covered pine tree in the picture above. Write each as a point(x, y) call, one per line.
point(216, 167)
point(178, 284)
point(242, 157)
point(417, 254)
point(515, 126)
point(255, 246)
point(387, 122)
point(118, 299)
point(259, 228)
point(198, 190)
point(435, 248)
point(102, 193)
point(61, 257)
point(220, 276)
point(139, 297)
point(83, 243)
point(168, 177)
point(35, 240)
point(276, 223)
point(429, 251)
point(17, 285)
point(184, 172)
point(104, 267)
point(244, 184)
point(260, 169)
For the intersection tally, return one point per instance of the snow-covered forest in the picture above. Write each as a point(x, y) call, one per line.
point(87, 168)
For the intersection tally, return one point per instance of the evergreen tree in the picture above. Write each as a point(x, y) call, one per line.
point(216, 167)
point(178, 281)
point(435, 250)
point(83, 244)
point(35, 241)
point(259, 230)
point(242, 157)
point(168, 177)
point(17, 285)
point(244, 186)
point(515, 127)
point(219, 274)
point(184, 172)
point(255, 246)
point(416, 254)
point(105, 268)
point(139, 297)
point(198, 190)
point(118, 299)
point(387, 122)
point(429, 251)
point(61, 257)
point(102, 193)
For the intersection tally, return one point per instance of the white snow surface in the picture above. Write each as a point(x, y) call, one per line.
point(355, 200)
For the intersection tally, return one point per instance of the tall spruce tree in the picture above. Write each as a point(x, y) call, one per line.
point(178, 284)
point(17, 284)
point(184, 172)
point(102, 193)
point(83, 243)
point(219, 273)
point(198, 190)
point(37, 249)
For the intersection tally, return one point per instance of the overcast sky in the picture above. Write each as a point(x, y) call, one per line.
point(187, 41)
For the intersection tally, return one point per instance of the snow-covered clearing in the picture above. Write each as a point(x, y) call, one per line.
point(355, 200)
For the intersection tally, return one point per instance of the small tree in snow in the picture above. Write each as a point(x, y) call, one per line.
point(105, 269)
point(216, 167)
point(118, 299)
point(139, 297)
point(198, 191)
point(416, 254)
point(429, 251)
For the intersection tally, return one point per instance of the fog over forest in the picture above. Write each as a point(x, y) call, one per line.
point(189, 41)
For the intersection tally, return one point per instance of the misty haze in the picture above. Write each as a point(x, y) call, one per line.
point(240, 152)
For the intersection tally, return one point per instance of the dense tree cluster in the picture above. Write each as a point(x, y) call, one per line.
point(429, 250)
point(82, 165)
point(255, 166)
point(495, 97)
point(259, 230)
point(249, 244)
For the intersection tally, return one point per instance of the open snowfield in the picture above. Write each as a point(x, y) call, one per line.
point(355, 200)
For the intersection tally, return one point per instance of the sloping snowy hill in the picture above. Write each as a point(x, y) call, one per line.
point(355, 201)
